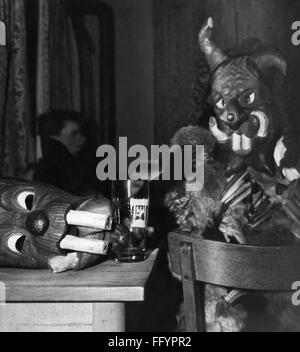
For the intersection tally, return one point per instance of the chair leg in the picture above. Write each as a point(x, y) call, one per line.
point(193, 291)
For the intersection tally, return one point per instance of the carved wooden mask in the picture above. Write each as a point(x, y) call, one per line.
point(247, 118)
point(33, 223)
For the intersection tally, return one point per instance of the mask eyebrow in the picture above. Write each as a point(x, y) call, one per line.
point(242, 91)
point(216, 96)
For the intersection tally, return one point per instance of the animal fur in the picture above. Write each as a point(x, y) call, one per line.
point(196, 214)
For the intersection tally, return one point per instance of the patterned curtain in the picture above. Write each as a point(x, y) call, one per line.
point(43, 71)
point(57, 77)
point(16, 120)
point(42, 67)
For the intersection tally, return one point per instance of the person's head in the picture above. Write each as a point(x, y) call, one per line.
point(64, 126)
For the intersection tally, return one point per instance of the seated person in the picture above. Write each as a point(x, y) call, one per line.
point(62, 140)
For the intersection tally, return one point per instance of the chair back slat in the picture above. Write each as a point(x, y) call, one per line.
point(239, 266)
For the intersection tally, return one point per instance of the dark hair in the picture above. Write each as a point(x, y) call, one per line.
point(52, 122)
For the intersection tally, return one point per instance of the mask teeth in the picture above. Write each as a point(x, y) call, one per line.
point(88, 219)
point(84, 245)
point(241, 143)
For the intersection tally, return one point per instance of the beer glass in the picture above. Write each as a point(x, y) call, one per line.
point(131, 210)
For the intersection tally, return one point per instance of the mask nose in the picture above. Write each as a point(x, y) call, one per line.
point(37, 223)
point(234, 115)
point(230, 118)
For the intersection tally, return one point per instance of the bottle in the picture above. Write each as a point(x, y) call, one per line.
point(131, 210)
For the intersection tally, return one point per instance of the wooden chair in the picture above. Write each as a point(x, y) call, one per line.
point(229, 265)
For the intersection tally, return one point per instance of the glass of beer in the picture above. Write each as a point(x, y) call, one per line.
point(131, 210)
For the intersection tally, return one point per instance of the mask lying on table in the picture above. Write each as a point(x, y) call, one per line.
point(42, 226)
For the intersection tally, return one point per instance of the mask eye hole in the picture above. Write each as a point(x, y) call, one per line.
point(25, 200)
point(16, 242)
point(221, 103)
point(248, 99)
point(251, 98)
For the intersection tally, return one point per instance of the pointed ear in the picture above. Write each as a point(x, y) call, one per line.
point(270, 58)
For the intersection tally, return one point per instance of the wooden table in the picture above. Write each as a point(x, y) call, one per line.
point(90, 300)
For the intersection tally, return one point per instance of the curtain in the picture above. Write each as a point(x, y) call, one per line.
point(174, 66)
point(43, 71)
point(16, 120)
point(58, 72)
point(57, 77)
point(48, 64)
point(76, 63)
point(93, 23)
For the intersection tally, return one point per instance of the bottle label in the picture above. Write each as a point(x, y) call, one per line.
point(139, 212)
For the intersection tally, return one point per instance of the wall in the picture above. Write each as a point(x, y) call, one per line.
point(134, 70)
point(174, 71)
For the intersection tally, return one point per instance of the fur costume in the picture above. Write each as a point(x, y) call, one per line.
point(251, 189)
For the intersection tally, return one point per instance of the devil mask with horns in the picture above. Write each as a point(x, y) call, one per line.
point(250, 123)
point(42, 226)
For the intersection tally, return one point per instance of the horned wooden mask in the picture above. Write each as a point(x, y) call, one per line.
point(247, 119)
point(42, 226)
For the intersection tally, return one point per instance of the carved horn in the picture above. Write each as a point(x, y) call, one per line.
point(269, 58)
point(214, 55)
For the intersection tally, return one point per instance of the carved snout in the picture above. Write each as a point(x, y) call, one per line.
point(241, 139)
